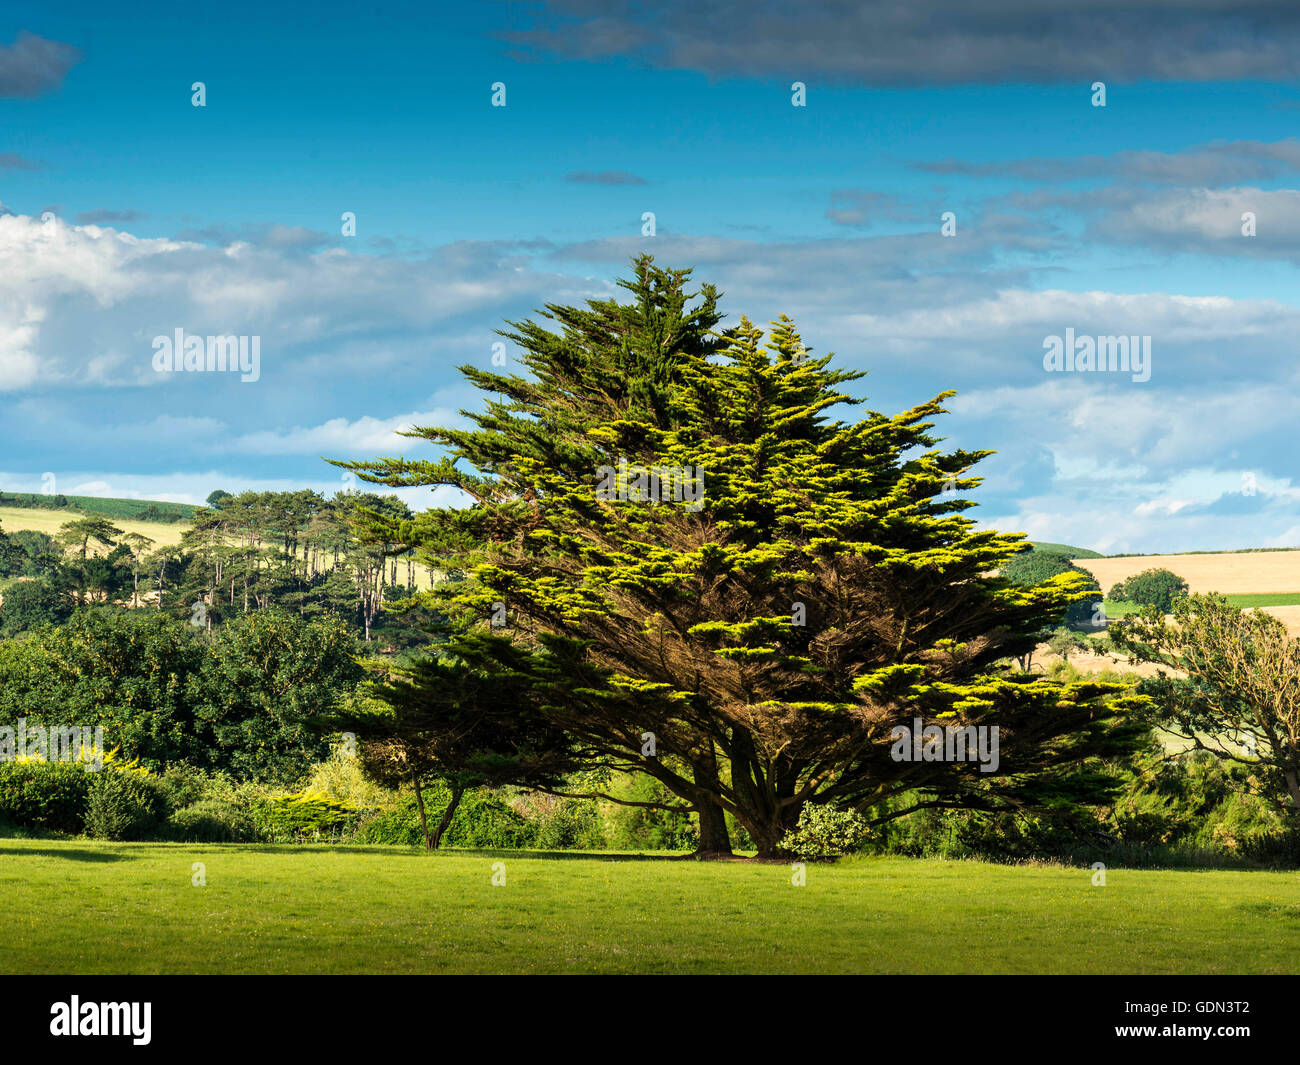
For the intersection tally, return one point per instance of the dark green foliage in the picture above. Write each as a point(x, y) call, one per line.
point(1153, 587)
point(129, 672)
point(44, 795)
point(254, 697)
point(211, 821)
point(1036, 566)
point(122, 805)
point(480, 821)
point(39, 554)
point(29, 604)
point(269, 685)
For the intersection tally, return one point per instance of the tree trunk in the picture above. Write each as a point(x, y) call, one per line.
point(714, 840)
point(456, 792)
point(424, 824)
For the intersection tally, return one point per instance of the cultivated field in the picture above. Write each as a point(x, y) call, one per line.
point(1271, 574)
point(88, 907)
point(1250, 572)
point(15, 519)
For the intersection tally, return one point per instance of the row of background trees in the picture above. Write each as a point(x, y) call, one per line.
point(295, 551)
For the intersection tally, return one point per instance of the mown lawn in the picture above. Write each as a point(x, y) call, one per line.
point(84, 907)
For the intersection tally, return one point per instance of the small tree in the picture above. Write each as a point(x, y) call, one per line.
point(1159, 588)
point(1065, 642)
point(1242, 676)
point(466, 726)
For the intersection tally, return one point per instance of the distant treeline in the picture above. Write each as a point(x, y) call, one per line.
point(298, 552)
point(129, 509)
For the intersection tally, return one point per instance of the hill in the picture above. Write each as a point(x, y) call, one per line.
point(1064, 549)
point(148, 510)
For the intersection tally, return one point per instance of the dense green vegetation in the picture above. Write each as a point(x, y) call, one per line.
point(294, 551)
point(1064, 549)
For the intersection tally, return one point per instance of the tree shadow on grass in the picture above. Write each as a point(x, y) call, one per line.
point(390, 851)
point(68, 853)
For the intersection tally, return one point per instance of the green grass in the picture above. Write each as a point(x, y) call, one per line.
point(105, 506)
point(1247, 599)
point(1118, 608)
point(84, 907)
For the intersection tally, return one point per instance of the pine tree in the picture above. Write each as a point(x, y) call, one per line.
point(771, 637)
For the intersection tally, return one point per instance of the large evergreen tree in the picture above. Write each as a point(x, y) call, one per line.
point(770, 636)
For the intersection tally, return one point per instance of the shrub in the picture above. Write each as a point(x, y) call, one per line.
point(122, 804)
point(182, 786)
point(212, 821)
point(571, 824)
point(482, 821)
point(341, 777)
point(299, 815)
point(642, 828)
point(825, 832)
point(49, 796)
point(30, 604)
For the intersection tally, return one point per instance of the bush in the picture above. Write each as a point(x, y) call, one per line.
point(572, 824)
point(637, 828)
point(288, 818)
point(30, 604)
point(182, 786)
point(122, 804)
point(1152, 587)
point(212, 821)
point(825, 832)
point(49, 796)
point(482, 821)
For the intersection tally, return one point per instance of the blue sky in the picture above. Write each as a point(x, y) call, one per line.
point(1115, 220)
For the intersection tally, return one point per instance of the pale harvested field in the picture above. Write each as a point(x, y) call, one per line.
point(15, 519)
point(1231, 574)
point(1288, 615)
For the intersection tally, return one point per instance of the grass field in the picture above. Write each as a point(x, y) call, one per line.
point(84, 907)
point(15, 519)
